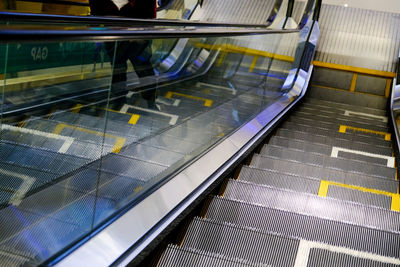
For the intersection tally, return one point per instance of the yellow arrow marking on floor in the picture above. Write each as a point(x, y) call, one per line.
point(324, 186)
point(344, 128)
point(207, 102)
point(119, 141)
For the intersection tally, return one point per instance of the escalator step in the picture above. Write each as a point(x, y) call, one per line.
point(319, 103)
point(304, 203)
point(241, 242)
point(319, 139)
point(304, 170)
point(285, 223)
point(341, 119)
point(321, 149)
point(329, 162)
point(176, 256)
point(313, 186)
point(360, 137)
point(334, 124)
point(344, 114)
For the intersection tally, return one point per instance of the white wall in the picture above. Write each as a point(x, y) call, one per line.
point(381, 5)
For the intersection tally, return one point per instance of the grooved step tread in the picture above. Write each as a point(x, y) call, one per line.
point(329, 162)
point(333, 141)
point(315, 102)
point(309, 204)
point(376, 140)
point(320, 173)
point(321, 149)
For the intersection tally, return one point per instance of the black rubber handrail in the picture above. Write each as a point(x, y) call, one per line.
point(16, 17)
point(12, 35)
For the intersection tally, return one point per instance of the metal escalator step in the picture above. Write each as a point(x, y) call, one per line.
point(10, 257)
point(337, 105)
point(305, 227)
point(321, 149)
point(316, 172)
point(341, 119)
point(333, 107)
point(241, 242)
point(325, 258)
point(352, 156)
point(329, 162)
point(337, 142)
point(334, 123)
point(308, 204)
point(176, 256)
point(40, 159)
point(376, 140)
point(345, 115)
point(280, 180)
point(313, 186)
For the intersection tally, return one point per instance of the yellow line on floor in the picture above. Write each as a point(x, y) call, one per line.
point(133, 120)
point(253, 64)
point(388, 87)
point(324, 186)
point(345, 90)
point(379, 73)
point(119, 141)
point(246, 51)
point(353, 82)
point(344, 128)
point(207, 102)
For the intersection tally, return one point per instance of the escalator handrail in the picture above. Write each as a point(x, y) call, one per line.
point(9, 34)
point(50, 18)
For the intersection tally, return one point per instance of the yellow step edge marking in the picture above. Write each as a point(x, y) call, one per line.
point(353, 82)
point(221, 58)
point(253, 64)
point(138, 189)
point(119, 141)
point(133, 120)
point(388, 87)
point(207, 102)
point(385, 74)
point(344, 128)
point(77, 108)
point(324, 185)
point(346, 90)
point(246, 51)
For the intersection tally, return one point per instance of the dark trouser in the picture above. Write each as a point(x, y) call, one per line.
point(139, 54)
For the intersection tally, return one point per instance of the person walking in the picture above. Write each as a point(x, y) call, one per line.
point(138, 52)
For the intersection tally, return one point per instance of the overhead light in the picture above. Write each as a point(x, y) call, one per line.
point(346, 5)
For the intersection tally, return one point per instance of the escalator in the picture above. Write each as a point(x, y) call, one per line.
point(92, 176)
point(314, 195)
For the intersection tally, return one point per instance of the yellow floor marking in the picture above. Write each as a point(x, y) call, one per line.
point(245, 51)
point(220, 135)
point(388, 87)
point(253, 64)
point(207, 102)
point(343, 128)
point(221, 58)
point(133, 120)
point(353, 82)
point(77, 108)
point(139, 188)
point(119, 141)
point(324, 185)
point(345, 90)
point(358, 70)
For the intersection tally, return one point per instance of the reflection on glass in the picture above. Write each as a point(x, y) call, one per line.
point(88, 127)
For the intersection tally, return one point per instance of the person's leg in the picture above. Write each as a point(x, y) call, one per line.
point(119, 63)
point(140, 59)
